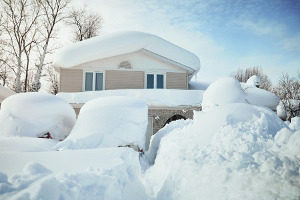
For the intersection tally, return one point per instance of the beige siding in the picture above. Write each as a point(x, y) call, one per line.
point(176, 80)
point(116, 79)
point(71, 80)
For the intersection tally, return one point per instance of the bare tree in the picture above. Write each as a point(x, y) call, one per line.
point(20, 29)
point(53, 80)
point(52, 13)
point(243, 75)
point(86, 25)
point(288, 90)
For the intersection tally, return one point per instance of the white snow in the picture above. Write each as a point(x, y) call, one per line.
point(253, 81)
point(223, 91)
point(109, 122)
point(197, 85)
point(261, 97)
point(105, 46)
point(90, 174)
point(231, 151)
point(153, 97)
point(295, 123)
point(35, 114)
point(227, 152)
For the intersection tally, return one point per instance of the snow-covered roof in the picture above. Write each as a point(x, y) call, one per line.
point(121, 43)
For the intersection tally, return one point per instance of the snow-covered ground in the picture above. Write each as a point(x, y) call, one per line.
point(231, 150)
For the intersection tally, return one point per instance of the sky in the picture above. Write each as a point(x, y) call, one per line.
point(226, 35)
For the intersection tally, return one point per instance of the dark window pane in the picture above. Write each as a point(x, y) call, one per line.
point(150, 81)
point(99, 81)
point(160, 81)
point(88, 81)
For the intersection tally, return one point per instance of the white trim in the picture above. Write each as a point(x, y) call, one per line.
point(155, 79)
point(94, 80)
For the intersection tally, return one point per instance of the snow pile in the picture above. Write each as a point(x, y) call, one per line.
point(36, 114)
point(295, 123)
point(153, 97)
point(223, 91)
point(227, 152)
point(253, 81)
point(26, 144)
point(109, 122)
point(90, 174)
point(115, 44)
point(261, 97)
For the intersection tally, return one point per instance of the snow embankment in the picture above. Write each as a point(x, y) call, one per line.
point(109, 122)
point(223, 91)
point(229, 90)
point(36, 114)
point(110, 173)
point(232, 151)
point(153, 97)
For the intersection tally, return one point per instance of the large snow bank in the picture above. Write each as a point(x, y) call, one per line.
point(35, 114)
point(26, 144)
point(90, 174)
point(229, 90)
point(109, 122)
point(227, 152)
point(253, 81)
point(120, 43)
point(261, 97)
point(223, 91)
point(153, 97)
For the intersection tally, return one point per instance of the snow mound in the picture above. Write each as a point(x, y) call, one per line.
point(228, 152)
point(261, 97)
point(109, 122)
point(36, 114)
point(253, 81)
point(153, 97)
point(221, 92)
point(120, 43)
point(91, 174)
point(295, 123)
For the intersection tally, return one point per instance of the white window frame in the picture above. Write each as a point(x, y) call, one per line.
point(94, 80)
point(155, 79)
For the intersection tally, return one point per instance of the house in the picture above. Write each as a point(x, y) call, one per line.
point(145, 64)
point(125, 60)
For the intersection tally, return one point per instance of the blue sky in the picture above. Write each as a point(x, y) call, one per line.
point(226, 35)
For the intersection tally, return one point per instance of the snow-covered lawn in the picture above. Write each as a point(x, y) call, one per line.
point(230, 150)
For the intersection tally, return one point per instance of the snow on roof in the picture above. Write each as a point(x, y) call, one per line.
point(120, 43)
point(154, 97)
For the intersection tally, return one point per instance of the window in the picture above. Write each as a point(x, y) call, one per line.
point(150, 81)
point(99, 81)
point(155, 81)
point(94, 81)
point(159, 81)
point(88, 81)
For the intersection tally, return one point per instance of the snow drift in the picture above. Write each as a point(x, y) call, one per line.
point(109, 122)
point(228, 152)
point(223, 91)
point(36, 114)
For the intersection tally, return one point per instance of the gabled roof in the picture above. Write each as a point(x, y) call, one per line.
point(101, 47)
